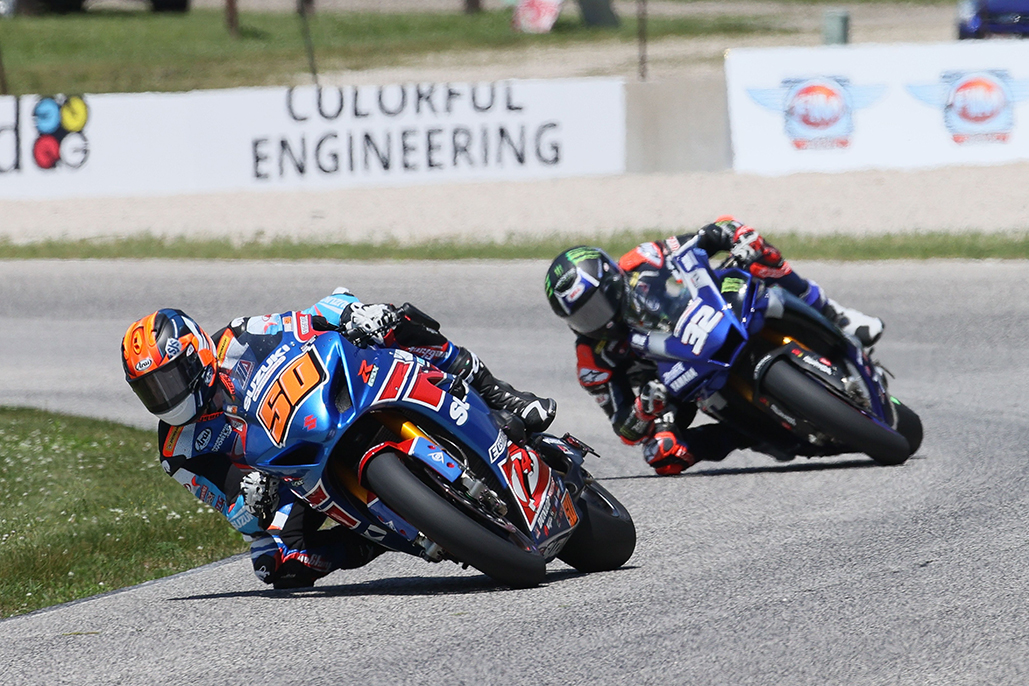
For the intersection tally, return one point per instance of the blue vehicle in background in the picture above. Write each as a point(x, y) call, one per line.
point(982, 18)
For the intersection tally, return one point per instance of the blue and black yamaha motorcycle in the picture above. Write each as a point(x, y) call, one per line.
point(759, 359)
point(410, 457)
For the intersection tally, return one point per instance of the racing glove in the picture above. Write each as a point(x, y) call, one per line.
point(652, 401)
point(372, 322)
point(260, 495)
point(667, 452)
point(758, 256)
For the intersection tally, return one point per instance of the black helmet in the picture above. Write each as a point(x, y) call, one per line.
point(585, 287)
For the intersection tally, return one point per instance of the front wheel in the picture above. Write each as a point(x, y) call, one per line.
point(462, 537)
point(834, 416)
point(605, 537)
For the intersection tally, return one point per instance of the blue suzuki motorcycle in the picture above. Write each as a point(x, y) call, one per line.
point(762, 361)
point(410, 457)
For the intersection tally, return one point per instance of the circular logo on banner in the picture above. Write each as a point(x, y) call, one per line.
point(978, 99)
point(817, 105)
point(46, 151)
point(60, 121)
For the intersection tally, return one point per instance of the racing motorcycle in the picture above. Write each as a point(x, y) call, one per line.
point(760, 360)
point(412, 458)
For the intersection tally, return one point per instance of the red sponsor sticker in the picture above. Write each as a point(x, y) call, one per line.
point(529, 477)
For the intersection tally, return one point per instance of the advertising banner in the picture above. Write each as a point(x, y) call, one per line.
point(308, 138)
point(840, 108)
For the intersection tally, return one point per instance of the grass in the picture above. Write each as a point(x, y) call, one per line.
point(88, 509)
point(834, 247)
point(119, 51)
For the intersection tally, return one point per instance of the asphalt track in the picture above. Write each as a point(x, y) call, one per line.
point(747, 572)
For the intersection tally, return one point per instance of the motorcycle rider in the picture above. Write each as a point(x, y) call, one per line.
point(193, 383)
point(604, 302)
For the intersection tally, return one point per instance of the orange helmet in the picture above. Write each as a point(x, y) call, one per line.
point(170, 364)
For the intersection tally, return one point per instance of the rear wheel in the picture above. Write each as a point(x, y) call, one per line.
point(462, 537)
point(909, 425)
point(835, 416)
point(605, 537)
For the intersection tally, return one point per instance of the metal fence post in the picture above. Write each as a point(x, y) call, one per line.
point(3, 77)
point(836, 27)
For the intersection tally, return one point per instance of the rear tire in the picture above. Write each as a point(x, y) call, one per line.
point(909, 425)
point(462, 537)
point(835, 416)
point(605, 537)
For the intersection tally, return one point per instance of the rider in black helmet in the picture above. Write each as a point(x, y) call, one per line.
point(604, 301)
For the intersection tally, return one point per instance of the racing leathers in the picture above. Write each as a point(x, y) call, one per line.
point(625, 383)
point(288, 546)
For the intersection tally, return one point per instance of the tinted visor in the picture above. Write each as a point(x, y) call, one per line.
point(593, 316)
point(168, 385)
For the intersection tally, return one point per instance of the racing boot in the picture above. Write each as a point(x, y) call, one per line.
point(866, 329)
point(535, 412)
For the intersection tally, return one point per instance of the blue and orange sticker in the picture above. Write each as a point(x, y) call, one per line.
point(60, 124)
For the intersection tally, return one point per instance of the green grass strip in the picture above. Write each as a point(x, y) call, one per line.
point(120, 51)
point(88, 509)
point(927, 245)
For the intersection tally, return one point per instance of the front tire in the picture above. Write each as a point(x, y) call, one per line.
point(462, 537)
point(605, 537)
point(835, 416)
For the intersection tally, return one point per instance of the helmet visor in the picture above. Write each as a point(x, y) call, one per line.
point(593, 317)
point(169, 384)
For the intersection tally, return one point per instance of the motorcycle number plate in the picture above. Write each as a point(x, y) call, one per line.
point(297, 381)
point(573, 517)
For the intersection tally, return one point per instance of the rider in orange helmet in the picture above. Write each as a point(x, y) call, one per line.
point(193, 383)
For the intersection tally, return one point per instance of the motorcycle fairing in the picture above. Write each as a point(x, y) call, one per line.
point(698, 353)
point(847, 350)
point(360, 381)
point(324, 499)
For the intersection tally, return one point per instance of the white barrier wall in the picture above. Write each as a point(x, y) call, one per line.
point(878, 106)
point(306, 138)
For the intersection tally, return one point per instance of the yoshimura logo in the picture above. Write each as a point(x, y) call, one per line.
point(818, 111)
